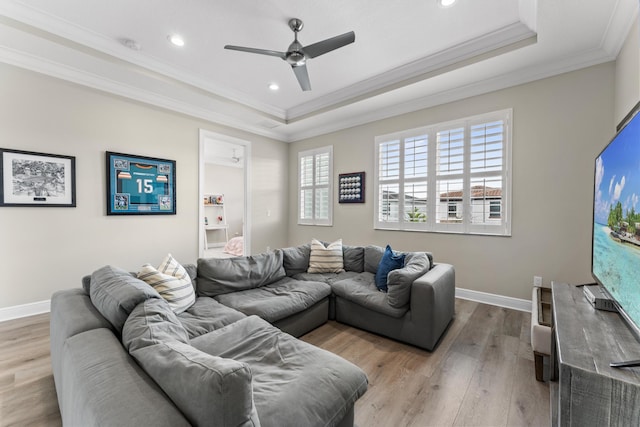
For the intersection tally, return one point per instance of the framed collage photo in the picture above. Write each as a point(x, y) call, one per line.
point(37, 179)
point(138, 185)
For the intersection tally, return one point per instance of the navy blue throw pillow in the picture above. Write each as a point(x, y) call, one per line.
point(390, 261)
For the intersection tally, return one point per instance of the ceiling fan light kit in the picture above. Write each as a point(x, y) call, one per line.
point(297, 54)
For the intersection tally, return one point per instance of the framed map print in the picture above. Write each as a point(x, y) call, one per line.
point(138, 185)
point(37, 179)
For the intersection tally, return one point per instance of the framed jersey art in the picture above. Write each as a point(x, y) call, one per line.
point(138, 185)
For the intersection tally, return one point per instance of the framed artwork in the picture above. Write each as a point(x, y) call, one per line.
point(37, 179)
point(351, 187)
point(138, 185)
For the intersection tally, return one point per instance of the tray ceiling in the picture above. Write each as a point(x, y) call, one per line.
point(407, 55)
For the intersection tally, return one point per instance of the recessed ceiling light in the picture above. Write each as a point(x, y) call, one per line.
point(273, 86)
point(176, 40)
point(446, 3)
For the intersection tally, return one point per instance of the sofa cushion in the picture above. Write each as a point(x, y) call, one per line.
point(294, 383)
point(362, 290)
point(353, 257)
point(296, 259)
point(152, 322)
point(327, 278)
point(207, 315)
point(326, 259)
point(172, 282)
point(192, 270)
point(217, 276)
point(209, 390)
point(399, 281)
point(390, 261)
point(277, 300)
point(115, 293)
point(101, 385)
point(372, 256)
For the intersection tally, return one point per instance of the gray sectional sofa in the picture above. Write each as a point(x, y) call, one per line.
point(121, 356)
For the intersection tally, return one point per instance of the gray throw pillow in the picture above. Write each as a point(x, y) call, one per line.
point(399, 281)
point(209, 390)
point(152, 322)
point(353, 257)
point(115, 293)
point(192, 270)
point(372, 256)
point(217, 276)
point(296, 259)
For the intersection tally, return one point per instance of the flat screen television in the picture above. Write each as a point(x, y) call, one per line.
point(615, 261)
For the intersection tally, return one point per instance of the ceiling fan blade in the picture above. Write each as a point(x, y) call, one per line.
point(281, 55)
point(302, 76)
point(320, 48)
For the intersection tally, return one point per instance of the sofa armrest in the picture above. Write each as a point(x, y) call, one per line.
point(99, 384)
point(433, 297)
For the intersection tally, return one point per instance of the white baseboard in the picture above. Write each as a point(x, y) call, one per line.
point(24, 310)
point(493, 299)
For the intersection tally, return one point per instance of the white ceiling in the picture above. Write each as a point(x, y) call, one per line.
point(407, 55)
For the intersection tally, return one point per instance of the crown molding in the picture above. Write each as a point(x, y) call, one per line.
point(50, 56)
point(445, 60)
point(82, 36)
point(84, 78)
point(623, 17)
point(517, 77)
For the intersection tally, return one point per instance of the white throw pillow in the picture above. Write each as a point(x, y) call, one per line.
point(172, 282)
point(326, 260)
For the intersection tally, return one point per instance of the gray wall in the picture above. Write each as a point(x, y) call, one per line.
point(46, 249)
point(560, 124)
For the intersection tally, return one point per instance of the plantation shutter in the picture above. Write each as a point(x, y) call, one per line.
point(314, 186)
point(449, 177)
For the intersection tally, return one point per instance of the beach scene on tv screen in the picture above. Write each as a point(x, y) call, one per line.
point(616, 232)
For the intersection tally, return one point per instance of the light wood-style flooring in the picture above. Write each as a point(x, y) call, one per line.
point(481, 374)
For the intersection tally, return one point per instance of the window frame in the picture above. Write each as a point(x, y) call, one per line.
point(468, 176)
point(314, 187)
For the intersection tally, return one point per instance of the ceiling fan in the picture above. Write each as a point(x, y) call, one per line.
point(297, 55)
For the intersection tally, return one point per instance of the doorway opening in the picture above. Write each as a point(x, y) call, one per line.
point(224, 223)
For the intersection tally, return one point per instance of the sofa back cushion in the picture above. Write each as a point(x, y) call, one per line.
point(152, 322)
point(217, 276)
point(399, 281)
point(372, 256)
point(353, 257)
point(296, 259)
point(115, 293)
point(209, 390)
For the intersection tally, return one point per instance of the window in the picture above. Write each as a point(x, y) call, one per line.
point(495, 209)
point(450, 177)
point(315, 169)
